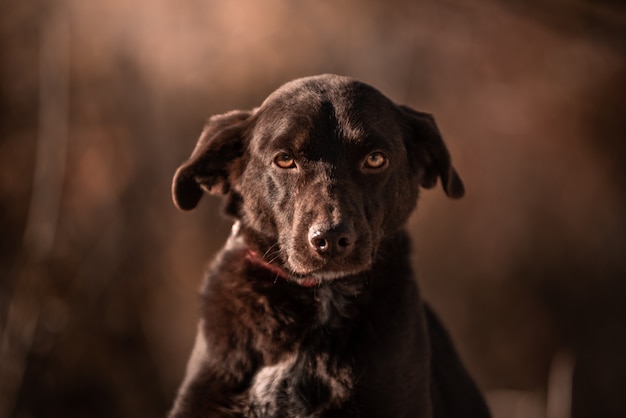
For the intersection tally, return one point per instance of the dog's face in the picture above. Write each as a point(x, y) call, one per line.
point(320, 173)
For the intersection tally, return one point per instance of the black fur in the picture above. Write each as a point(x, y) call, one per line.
point(311, 309)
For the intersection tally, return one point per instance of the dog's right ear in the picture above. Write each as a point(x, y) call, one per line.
point(220, 144)
point(429, 153)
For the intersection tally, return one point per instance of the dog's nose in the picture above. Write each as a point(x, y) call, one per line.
point(332, 241)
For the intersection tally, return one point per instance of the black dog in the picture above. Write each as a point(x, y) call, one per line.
point(311, 309)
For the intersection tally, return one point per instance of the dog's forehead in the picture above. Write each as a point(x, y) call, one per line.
point(333, 107)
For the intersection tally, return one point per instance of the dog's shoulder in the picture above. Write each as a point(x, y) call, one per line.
point(450, 379)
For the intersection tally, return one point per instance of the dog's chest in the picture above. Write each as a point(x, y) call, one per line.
point(299, 386)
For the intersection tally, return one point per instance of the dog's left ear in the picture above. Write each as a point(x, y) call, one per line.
point(220, 145)
point(428, 154)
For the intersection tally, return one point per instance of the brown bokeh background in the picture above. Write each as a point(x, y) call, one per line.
point(101, 100)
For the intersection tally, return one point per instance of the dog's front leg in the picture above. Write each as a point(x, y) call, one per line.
point(199, 394)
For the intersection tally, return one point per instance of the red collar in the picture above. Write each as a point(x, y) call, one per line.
point(254, 258)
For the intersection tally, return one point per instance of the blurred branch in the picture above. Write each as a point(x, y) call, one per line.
point(53, 133)
point(559, 396)
point(17, 337)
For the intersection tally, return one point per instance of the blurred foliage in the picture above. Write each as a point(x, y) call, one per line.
point(100, 101)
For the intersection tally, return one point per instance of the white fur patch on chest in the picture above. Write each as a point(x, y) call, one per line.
point(266, 386)
point(276, 389)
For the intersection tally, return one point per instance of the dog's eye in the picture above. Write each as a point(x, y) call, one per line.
point(375, 160)
point(284, 160)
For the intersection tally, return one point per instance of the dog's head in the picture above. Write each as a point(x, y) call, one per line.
point(323, 171)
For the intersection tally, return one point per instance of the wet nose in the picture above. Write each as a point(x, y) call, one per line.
point(335, 241)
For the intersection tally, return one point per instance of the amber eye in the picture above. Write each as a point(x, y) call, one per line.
point(375, 160)
point(284, 160)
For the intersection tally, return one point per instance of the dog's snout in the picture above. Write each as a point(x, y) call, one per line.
point(332, 241)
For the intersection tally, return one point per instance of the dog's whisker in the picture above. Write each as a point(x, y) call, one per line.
point(267, 252)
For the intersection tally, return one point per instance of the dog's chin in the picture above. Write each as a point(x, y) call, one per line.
point(309, 267)
point(318, 276)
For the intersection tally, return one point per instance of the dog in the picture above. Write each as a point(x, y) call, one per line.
point(311, 308)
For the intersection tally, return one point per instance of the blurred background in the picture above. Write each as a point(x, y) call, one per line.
point(100, 101)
